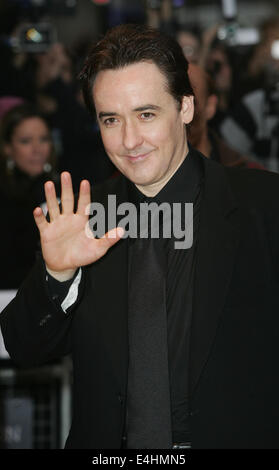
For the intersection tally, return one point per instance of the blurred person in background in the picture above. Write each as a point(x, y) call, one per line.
point(264, 56)
point(218, 64)
point(203, 48)
point(252, 125)
point(26, 163)
point(78, 142)
point(16, 76)
point(190, 41)
point(200, 134)
point(48, 79)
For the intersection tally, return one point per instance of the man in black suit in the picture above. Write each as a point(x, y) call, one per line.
point(172, 348)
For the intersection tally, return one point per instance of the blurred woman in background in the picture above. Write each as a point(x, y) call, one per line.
point(26, 163)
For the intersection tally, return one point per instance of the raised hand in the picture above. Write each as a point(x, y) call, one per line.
point(65, 244)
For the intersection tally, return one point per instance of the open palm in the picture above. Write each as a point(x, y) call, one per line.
point(64, 239)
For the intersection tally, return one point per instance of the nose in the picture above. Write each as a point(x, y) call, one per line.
point(132, 137)
point(37, 147)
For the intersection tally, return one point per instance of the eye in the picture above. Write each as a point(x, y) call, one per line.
point(24, 140)
point(45, 139)
point(147, 116)
point(109, 122)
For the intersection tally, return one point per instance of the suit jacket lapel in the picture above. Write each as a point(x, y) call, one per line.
point(217, 245)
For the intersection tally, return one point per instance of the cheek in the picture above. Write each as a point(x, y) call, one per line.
point(21, 152)
point(156, 136)
point(160, 136)
point(46, 149)
point(111, 141)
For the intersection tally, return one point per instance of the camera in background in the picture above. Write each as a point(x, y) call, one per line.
point(34, 38)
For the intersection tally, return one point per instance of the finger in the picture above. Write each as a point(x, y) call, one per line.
point(67, 195)
point(110, 238)
point(52, 203)
point(39, 218)
point(84, 198)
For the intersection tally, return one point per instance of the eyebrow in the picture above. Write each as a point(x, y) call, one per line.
point(103, 114)
point(148, 106)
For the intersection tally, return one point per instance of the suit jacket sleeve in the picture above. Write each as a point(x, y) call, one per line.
point(35, 328)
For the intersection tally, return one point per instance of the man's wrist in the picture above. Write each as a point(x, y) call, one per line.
point(61, 276)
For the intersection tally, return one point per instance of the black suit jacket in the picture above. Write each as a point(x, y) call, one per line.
point(234, 334)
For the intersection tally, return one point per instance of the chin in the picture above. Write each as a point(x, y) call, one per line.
point(141, 181)
point(35, 173)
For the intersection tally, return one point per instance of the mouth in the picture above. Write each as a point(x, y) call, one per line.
point(138, 158)
point(37, 160)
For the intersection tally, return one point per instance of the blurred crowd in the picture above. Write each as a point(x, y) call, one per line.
point(45, 128)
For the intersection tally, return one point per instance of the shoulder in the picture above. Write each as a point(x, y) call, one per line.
point(254, 187)
point(246, 187)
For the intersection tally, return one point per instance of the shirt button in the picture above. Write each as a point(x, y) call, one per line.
point(45, 319)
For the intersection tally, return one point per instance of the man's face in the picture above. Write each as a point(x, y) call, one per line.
point(142, 129)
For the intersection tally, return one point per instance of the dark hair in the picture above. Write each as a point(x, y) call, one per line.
point(15, 116)
point(128, 44)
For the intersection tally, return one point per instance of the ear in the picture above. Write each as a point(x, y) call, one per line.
point(211, 106)
point(187, 109)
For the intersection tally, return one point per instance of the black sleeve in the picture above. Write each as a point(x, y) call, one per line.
point(58, 290)
point(35, 328)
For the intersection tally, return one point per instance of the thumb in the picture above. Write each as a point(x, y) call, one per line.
point(111, 237)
